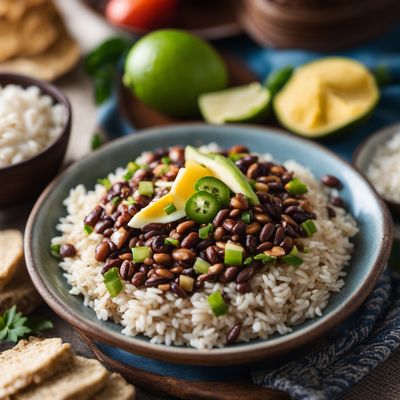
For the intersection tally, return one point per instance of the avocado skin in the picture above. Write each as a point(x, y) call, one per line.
point(229, 171)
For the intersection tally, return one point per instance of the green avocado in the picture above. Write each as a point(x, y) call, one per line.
point(225, 170)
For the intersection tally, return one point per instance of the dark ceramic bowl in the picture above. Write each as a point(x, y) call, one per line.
point(366, 150)
point(26, 179)
point(372, 244)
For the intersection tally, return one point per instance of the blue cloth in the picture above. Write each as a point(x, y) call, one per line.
point(374, 333)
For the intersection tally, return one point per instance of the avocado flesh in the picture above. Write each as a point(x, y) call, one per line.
point(225, 170)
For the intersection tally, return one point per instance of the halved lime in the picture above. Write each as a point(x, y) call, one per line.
point(239, 104)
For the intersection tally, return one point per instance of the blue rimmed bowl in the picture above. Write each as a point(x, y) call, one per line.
point(372, 244)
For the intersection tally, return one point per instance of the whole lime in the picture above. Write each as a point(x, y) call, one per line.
point(169, 69)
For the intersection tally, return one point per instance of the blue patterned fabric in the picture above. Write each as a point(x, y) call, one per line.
point(374, 333)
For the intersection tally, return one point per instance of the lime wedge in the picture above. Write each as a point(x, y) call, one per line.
point(239, 104)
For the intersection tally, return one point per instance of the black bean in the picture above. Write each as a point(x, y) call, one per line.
point(127, 270)
point(212, 254)
point(228, 224)
point(303, 216)
point(221, 216)
point(178, 290)
point(92, 218)
point(338, 202)
point(243, 287)
point(245, 274)
point(266, 232)
point(279, 235)
point(331, 212)
point(189, 272)
point(102, 225)
point(108, 232)
point(156, 280)
point(289, 230)
point(190, 240)
point(229, 274)
point(331, 181)
point(102, 251)
point(111, 264)
point(287, 244)
point(251, 244)
point(233, 334)
point(67, 250)
point(291, 210)
point(272, 211)
point(265, 246)
point(299, 244)
point(158, 245)
point(153, 227)
point(203, 244)
point(239, 228)
point(275, 187)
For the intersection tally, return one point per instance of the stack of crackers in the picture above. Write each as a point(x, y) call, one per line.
point(34, 40)
point(16, 287)
point(47, 369)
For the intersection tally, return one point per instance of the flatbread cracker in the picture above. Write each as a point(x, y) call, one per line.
point(60, 58)
point(11, 253)
point(14, 10)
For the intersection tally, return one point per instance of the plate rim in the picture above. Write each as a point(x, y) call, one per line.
point(242, 353)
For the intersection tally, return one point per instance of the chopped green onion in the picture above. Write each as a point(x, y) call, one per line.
point(169, 209)
point(233, 254)
point(115, 200)
point(294, 251)
point(112, 281)
point(296, 186)
point(265, 258)
point(87, 229)
point(130, 201)
point(306, 250)
point(217, 304)
point(246, 217)
point(96, 141)
point(309, 227)
point(139, 254)
point(172, 242)
point(201, 266)
point(236, 156)
point(293, 260)
point(166, 160)
point(128, 175)
point(105, 182)
point(132, 166)
point(146, 188)
point(55, 250)
point(206, 231)
point(247, 260)
point(186, 282)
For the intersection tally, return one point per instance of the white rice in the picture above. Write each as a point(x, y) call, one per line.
point(280, 298)
point(384, 169)
point(29, 122)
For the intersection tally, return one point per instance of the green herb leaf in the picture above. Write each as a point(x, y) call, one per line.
point(166, 160)
point(55, 250)
point(87, 229)
point(206, 231)
point(277, 79)
point(105, 182)
point(96, 141)
point(38, 324)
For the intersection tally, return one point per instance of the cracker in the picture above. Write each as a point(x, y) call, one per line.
point(14, 10)
point(11, 253)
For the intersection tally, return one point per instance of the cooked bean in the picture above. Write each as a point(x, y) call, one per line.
point(236, 237)
point(189, 272)
point(229, 274)
point(158, 245)
point(239, 228)
point(279, 235)
point(233, 334)
point(265, 246)
point(289, 230)
point(215, 269)
point(275, 187)
point(111, 264)
point(220, 245)
point(203, 244)
point(287, 244)
point(238, 149)
point(303, 216)
point(228, 224)
point(165, 273)
point(102, 251)
point(299, 244)
point(132, 242)
point(292, 210)
point(177, 154)
point(119, 237)
point(255, 170)
point(331, 212)
point(125, 256)
point(331, 181)
point(253, 228)
point(162, 258)
point(93, 217)
point(262, 218)
point(290, 201)
point(164, 287)
point(219, 233)
point(184, 226)
point(182, 254)
point(190, 240)
point(177, 270)
point(108, 232)
point(123, 219)
point(243, 287)
point(220, 217)
point(245, 274)
point(338, 202)
point(178, 290)
point(67, 250)
point(149, 242)
point(262, 187)
point(306, 206)
point(251, 244)
point(102, 225)
point(144, 268)
point(234, 213)
point(156, 280)
point(239, 202)
point(289, 220)
point(212, 254)
point(267, 232)
point(277, 170)
point(127, 270)
point(276, 251)
point(273, 212)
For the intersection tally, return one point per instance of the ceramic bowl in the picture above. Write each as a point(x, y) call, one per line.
point(366, 150)
point(22, 181)
point(372, 244)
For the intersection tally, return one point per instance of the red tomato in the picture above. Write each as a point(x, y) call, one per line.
point(143, 14)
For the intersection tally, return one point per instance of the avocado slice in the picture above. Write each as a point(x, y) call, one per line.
point(225, 170)
point(325, 97)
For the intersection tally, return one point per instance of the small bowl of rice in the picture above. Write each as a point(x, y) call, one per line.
point(35, 125)
point(378, 158)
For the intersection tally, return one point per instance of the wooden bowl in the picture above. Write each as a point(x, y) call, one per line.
point(209, 19)
point(316, 25)
point(366, 150)
point(26, 179)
